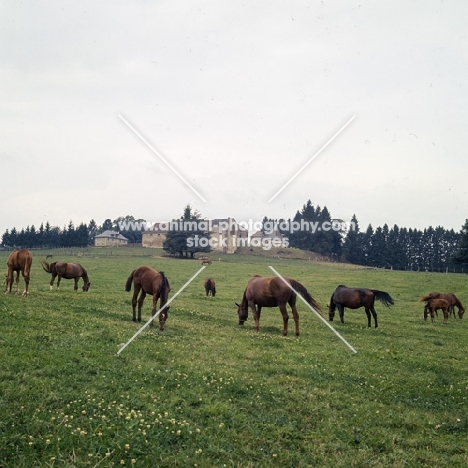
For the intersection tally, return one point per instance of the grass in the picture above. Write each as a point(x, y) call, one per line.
point(208, 393)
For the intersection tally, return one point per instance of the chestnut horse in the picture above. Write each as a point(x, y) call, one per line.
point(273, 292)
point(354, 298)
point(210, 287)
point(19, 260)
point(206, 260)
point(433, 305)
point(152, 282)
point(450, 298)
point(68, 271)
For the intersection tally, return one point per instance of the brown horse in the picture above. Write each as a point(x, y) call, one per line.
point(206, 260)
point(433, 305)
point(19, 260)
point(450, 298)
point(152, 282)
point(68, 271)
point(210, 287)
point(354, 298)
point(273, 292)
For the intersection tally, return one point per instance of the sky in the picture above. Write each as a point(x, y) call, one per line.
point(139, 108)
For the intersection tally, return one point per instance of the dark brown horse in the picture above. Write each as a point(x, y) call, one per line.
point(450, 298)
point(210, 287)
point(19, 261)
point(273, 292)
point(152, 282)
point(67, 271)
point(433, 305)
point(354, 298)
point(206, 260)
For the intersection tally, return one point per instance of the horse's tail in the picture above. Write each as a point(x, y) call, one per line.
point(383, 297)
point(128, 284)
point(27, 264)
point(425, 298)
point(47, 267)
point(305, 294)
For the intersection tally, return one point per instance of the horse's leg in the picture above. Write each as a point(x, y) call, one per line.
point(17, 282)
point(374, 314)
point(59, 278)
point(140, 305)
point(51, 284)
point(76, 284)
point(296, 317)
point(26, 282)
point(284, 313)
point(256, 314)
point(136, 290)
point(368, 316)
point(446, 315)
point(154, 309)
point(341, 312)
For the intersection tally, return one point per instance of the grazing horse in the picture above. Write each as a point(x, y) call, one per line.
point(354, 298)
point(68, 271)
point(19, 260)
point(206, 260)
point(210, 287)
point(433, 305)
point(152, 282)
point(273, 292)
point(450, 298)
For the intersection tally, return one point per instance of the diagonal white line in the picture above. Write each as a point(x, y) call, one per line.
point(161, 158)
point(159, 311)
point(313, 310)
point(312, 158)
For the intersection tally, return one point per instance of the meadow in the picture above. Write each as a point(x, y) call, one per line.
point(206, 392)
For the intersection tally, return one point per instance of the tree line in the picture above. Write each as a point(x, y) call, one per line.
point(47, 236)
point(431, 249)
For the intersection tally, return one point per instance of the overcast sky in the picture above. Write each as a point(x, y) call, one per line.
point(236, 97)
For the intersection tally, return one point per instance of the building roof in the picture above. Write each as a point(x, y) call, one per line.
point(111, 235)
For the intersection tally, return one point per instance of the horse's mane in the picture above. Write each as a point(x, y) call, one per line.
point(164, 288)
point(85, 273)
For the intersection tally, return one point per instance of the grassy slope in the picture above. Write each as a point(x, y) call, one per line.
point(206, 392)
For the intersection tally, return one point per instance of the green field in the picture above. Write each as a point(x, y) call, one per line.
point(208, 393)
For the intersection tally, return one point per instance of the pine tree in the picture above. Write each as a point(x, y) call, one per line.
point(186, 242)
point(460, 257)
point(353, 249)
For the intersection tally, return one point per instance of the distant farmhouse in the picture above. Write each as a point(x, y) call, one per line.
point(110, 239)
point(225, 235)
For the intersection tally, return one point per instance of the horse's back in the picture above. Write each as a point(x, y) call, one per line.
point(352, 298)
point(19, 259)
point(439, 303)
point(266, 291)
point(148, 279)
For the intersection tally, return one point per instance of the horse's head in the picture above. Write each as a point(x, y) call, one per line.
point(460, 313)
point(243, 312)
point(331, 313)
point(163, 317)
point(86, 286)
